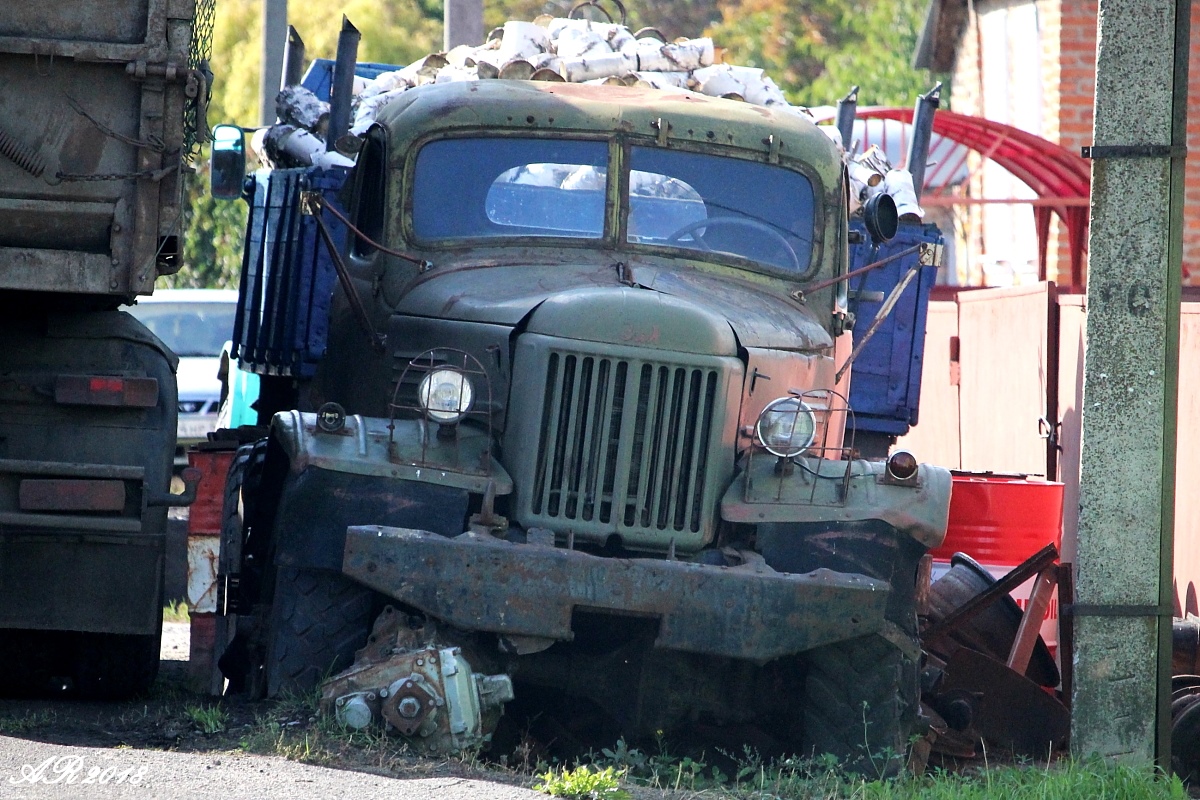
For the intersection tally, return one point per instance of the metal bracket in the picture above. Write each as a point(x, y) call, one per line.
point(772, 149)
point(931, 255)
point(1133, 151)
point(1087, 610)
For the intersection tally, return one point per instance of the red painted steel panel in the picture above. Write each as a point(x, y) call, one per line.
point(1001, 520)
point(204, 518)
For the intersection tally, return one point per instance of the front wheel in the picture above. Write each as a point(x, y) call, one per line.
point(861, 703)
point(319, 618)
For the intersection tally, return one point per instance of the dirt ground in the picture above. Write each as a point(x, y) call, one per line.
point(154, 747)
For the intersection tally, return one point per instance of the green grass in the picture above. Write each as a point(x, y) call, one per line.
point(583, 783)
point(13, 725)
point(291, 727)
point(751, 778)
point(1068, 780)
point(175, 611)
point(209, 719)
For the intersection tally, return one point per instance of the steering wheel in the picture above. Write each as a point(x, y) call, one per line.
point(745, 222)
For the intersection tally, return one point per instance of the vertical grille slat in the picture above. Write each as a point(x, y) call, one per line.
point(699, 461)
point(624, 444)
point(647, 440)
point(570, 467)
point(590, 422)
point(681, 458)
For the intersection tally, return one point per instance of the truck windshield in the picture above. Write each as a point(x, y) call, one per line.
point(704, 202)
point(488, 187)
point(473, 188)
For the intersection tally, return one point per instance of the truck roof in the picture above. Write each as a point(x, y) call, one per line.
point(583, 108)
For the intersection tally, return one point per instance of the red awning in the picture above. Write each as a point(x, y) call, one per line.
point(1052, 171)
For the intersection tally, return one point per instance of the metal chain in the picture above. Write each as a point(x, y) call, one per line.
point(154, 143)
point(148, 174)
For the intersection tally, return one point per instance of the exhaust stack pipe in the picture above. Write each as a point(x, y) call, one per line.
point(847, 109)
point(293, 58)
point(918, 147)
point(343, 83)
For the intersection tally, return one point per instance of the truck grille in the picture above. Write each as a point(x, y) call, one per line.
point(625, 443)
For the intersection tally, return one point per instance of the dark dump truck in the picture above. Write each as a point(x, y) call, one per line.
point(100, 103)
point(559, 432)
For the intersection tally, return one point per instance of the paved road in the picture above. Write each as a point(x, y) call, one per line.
point(33, 768)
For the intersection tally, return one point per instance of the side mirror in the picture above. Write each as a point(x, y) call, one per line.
point(228, 162)
point(881, 217)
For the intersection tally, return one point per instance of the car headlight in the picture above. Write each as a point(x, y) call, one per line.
point(446, 395)
point(786, 427)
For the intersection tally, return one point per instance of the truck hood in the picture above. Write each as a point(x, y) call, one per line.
point(506, 294)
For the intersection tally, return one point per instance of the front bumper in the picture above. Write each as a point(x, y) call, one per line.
point(480, 583)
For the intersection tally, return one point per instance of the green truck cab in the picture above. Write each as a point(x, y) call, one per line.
point(576, 441)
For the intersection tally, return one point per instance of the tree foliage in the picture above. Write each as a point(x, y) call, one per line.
point(817, 49)
point(814, 49)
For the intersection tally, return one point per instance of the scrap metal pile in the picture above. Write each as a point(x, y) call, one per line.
point(559, 49)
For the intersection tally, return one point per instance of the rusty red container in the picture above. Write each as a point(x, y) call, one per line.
point(204, 516)
point(1001, 520)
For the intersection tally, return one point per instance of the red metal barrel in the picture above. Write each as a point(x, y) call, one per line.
point(1001, 520)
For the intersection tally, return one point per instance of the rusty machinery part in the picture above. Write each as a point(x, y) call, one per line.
point(426, 690)
point(1185, 727)
point(1009, 712)
point(990, 632)
point(1185, 645)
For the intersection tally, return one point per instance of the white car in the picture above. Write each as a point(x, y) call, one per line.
point(195, 324)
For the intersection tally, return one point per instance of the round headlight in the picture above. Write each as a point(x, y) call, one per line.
point(446, 395)
point(786, 427)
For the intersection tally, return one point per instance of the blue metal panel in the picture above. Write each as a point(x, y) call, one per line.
point(288, 276)
point(319, 78)
point(885, 385)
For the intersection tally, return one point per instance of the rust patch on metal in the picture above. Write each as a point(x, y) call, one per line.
point(481, 583)
point(62, 494)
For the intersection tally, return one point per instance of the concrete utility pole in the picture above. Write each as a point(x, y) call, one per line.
point(463, 23)
point(274, 38)
point(1123, 608)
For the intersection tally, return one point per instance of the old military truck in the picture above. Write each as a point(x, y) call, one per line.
point(100, 103)
point(575, 438)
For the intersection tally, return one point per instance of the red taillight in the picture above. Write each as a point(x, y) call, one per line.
point(106, 390)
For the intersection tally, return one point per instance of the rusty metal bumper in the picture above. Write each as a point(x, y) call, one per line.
point(481, 583)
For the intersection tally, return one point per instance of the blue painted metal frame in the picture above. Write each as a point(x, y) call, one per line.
point(885, 384)
point(288, 277)
point(319, 77)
